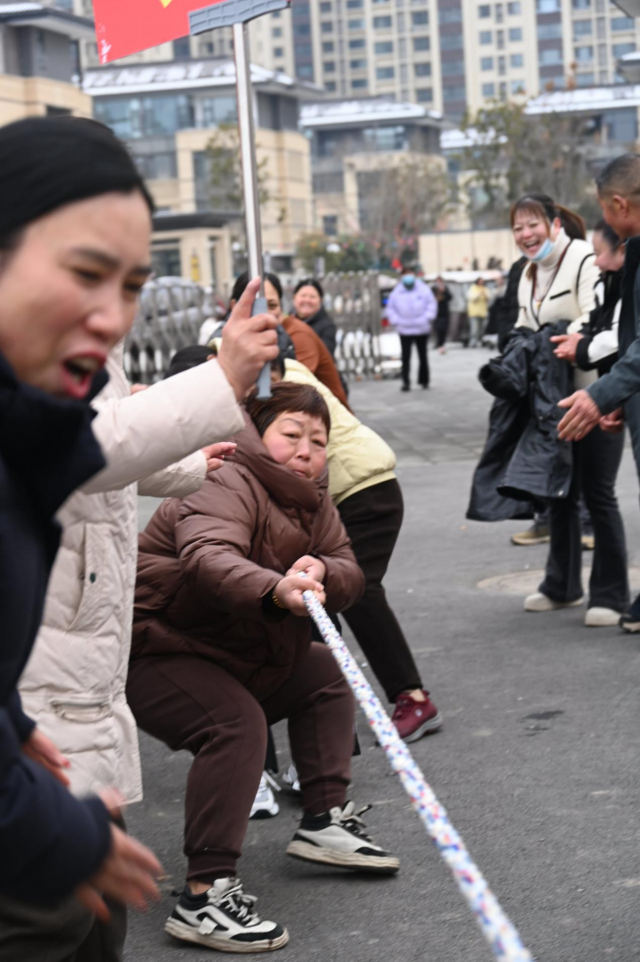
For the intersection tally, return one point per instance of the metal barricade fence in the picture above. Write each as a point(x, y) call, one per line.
point(172, 311)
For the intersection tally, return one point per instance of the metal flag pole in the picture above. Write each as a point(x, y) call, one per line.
point(237, 13)
point(249, 162)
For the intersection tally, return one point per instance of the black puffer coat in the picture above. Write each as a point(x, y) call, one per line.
point(523, 462)
point(325, 327)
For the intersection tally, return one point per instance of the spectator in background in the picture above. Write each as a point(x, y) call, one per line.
point(411, 308)
point(478, 311)
point(309, 349)
point(308, 307)
point(442, 295)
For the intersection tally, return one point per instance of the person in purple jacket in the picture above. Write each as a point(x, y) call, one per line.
point(411, 308)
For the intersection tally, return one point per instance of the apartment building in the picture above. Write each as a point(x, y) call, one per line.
point(167, 113)
point(38, 61)
point(448, 55)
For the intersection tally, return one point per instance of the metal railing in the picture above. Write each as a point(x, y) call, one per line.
point(172, 311)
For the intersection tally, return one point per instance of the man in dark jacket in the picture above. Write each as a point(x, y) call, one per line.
point(614, 398)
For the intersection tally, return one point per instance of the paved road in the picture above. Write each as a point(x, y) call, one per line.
point(537, 762)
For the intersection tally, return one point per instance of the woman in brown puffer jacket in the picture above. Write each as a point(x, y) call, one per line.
point(222, 645)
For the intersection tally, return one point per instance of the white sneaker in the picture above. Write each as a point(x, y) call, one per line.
point(265, 805)
point(338, 838)
point(601, 617)
point(290, 778)
point(540, 602)
point(223, 918)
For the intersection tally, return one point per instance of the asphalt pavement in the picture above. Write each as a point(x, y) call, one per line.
point(537, 762)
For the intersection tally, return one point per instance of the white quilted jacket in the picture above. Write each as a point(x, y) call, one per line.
point(74, 684)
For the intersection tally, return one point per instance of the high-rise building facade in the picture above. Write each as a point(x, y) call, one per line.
point(448, 55)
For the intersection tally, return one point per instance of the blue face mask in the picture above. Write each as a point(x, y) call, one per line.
point(544, 251)
point(408, 280)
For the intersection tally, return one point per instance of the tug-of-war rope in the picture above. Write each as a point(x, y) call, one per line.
point(499, 931)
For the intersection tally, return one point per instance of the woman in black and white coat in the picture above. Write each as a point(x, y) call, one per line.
point(560, 285)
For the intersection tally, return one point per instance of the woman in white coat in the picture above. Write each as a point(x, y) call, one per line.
point(74, 683)
point(559, 285)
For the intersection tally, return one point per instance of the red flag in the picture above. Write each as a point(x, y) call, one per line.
point(124, 27)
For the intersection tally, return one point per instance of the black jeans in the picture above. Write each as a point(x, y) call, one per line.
point(406, 340)
point(373, 519)
point(441, 329)
point(596, 461)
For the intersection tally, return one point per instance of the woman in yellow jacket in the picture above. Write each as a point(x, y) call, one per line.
point(364, 488)
point(477, 311)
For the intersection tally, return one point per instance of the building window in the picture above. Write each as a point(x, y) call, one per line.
point(329, 66)
point(550, 57)
point(421, 43)
point(502, 66)
point(327, 26)
point(385, 73)
point(355, 4)
point(325, 7)
point(381, 23)
point(420, 18)
point(484, 11)
point(424, 95)
point(585, 79)
point(515, 9)
point(503, 91)
point(383, 46)
point(301, 30)
point(330, 86)
point(548, 6)
point(278, 51)
point(276, 32)
point(358, 64)
point(581, 4)
point(452, 68)
point(486, 37)
point(450, 15)
point(327, 46)
point(454, 92)
point(330, 225)
point(488, 90)
point(622, 23)
point(486, 63)
point(550, 31)
point(582, 28)
point(356, 44)
point(619, 49)
point(358, 84)
point(356, 24)
point(517, 60)
point(515, 34)
point(517, 87)
point(422, 69)
point(182, 49)
point(453, 42)
point(305, 71)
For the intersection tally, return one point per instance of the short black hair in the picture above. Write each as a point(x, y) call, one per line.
point(188, 357)
point(620, 176)
point(240, 285)
point(310, 282)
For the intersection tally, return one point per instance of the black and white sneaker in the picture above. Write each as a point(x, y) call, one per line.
point(222, 918)
point(338, 838)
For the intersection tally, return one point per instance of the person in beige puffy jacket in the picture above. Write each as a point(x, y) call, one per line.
point(74, 683)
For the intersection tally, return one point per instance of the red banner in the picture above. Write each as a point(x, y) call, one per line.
point(124, 27)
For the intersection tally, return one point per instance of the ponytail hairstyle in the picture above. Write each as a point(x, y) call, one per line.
point(542, 205)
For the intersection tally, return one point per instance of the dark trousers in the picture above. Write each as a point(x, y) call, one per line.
point(66, 933)
point(420, 340)
point(441, 330)
point(595, 468)
point(192, 704)
point(373, 519)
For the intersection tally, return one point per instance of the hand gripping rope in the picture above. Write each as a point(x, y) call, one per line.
point(498, 930)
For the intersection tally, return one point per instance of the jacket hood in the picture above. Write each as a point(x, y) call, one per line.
point(37, 429)
point(283, 486)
